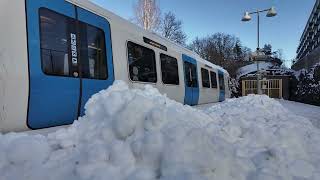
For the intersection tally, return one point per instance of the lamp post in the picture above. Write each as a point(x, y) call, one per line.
point(271, 12)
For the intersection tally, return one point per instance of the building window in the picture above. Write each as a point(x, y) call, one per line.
point(169, 69)
point(60, 55)
point(142, 63)
point(214, 83)
point(205, 78)
point(221, 82)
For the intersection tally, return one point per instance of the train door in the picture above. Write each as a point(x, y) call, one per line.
point(191, 81)
point(222, 94)
point(69, 52)
point(96, 55)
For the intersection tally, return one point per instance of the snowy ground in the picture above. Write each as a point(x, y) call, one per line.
point(305, 110)
point(142, 135)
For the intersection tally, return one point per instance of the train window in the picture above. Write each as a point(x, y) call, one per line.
point(205, 78)
point(55, 30)
point(221, 82)
point(169, 69)
point(142, 63)
point(59, 47)
point(93, 53)
point(190, 71)
point(214, 83)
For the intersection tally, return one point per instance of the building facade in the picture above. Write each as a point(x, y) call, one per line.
point(274, 79)
point(308, 52)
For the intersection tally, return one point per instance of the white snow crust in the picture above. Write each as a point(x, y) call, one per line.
point(131, 134)
point(253, 68)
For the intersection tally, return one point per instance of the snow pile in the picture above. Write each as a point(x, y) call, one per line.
point(308, 111)
point(276, 143)
point(142, 135)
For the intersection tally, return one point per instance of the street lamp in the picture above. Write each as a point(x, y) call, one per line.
point(271, 12)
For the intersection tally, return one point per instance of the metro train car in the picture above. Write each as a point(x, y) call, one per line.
point(55, 54)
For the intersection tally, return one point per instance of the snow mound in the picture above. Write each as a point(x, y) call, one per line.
point(142, 135)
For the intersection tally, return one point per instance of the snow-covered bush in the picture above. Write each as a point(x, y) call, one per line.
point(234, 86)
point(308, 86)
point(130, 134)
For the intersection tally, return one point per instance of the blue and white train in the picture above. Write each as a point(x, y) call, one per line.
point(55, 54)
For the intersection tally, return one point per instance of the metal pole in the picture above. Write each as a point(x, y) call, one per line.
point(258, 14)
point(271, 13)
point(258, 50)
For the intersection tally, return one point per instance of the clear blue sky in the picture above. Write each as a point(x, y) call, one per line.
point(204, 17)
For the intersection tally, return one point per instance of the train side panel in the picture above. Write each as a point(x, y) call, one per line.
point(16, 70)
point(175, 92)
point(120, 39)
point(207, 95)
point(14, 81)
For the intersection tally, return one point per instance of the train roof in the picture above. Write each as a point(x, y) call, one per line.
point(125, 24)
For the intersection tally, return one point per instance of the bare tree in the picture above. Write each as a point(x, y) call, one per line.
point(222, 49)
point(198, 46)
point(171, 28)
point(147, 14)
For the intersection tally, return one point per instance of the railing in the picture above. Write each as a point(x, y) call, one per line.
point(270, 87)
